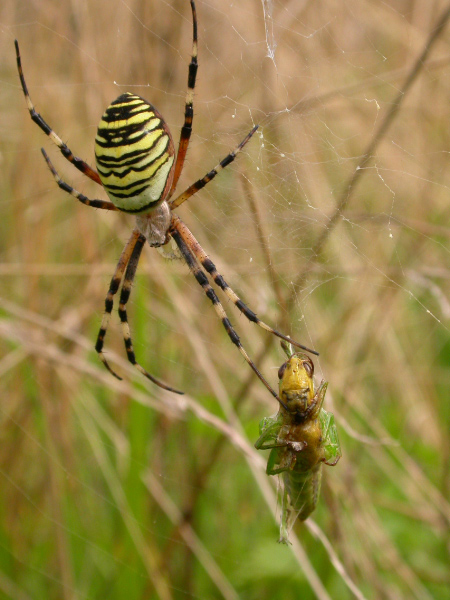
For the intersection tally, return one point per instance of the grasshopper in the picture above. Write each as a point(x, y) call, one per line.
point(301, 436)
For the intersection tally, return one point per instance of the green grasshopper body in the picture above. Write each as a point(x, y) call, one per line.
point(301, 436)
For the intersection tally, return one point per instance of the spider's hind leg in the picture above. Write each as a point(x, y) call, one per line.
point(80, 164)
point(104, 204)
point(186, 130)
point(198, 185)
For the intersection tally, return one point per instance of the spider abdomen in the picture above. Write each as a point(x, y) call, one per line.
point(135, 154)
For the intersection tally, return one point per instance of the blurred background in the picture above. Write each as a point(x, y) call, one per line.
point(332, 225)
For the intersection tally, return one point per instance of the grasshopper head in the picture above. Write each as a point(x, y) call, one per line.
point(296, 383)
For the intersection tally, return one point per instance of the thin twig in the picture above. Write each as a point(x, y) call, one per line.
point(262, 239)
point(367, 155)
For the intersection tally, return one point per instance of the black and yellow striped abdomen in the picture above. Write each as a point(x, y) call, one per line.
point(135, 154)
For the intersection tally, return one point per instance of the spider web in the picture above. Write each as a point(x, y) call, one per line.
point(332, 225)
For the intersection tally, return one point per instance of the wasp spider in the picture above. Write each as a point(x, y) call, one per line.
point(137, 167)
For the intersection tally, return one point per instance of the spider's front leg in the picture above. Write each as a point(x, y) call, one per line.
point(129, 260)
point(202, 280)
point(195, 248)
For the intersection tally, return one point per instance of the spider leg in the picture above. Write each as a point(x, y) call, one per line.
point(105, 204)
point(186, 130)
point(36, 117)
point(210, 268)
point(109, 300)
point(202, 279)
point(124, 297)
point(198, 185)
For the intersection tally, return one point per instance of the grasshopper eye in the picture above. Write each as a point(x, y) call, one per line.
point(281, 370)
point(308, 365)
